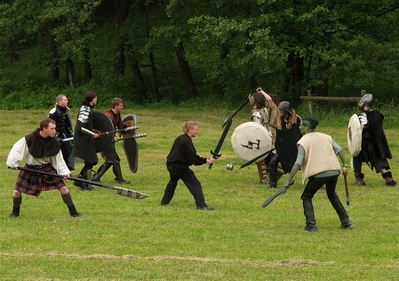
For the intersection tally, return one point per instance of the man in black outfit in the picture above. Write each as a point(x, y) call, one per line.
point(181, 156)
point(60, 114)
point(83, 144)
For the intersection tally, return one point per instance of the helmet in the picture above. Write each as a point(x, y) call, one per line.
point(285, 106)
point(367, 99)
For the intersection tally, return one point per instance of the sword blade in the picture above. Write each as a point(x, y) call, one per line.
point(216, 154)
point(256, 158)
point(234, 114)
point(348, 199)
point(271, 198)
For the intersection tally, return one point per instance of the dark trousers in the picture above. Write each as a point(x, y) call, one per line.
point(189, 179)
point(313, 185)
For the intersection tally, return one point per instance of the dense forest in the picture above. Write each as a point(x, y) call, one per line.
point(174, 51)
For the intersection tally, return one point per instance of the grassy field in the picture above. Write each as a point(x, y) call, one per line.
point(120, 238)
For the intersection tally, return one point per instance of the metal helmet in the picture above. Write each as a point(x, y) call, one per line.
point(285, 106)
point(367, 99)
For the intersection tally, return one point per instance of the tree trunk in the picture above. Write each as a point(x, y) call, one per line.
point(120, 64)
point(218, 87)
point(70, 72)
point(188, 79)
point(48, 39)
point(295, 66)
point(151, 55)
point(141, 85)
point(87, 66)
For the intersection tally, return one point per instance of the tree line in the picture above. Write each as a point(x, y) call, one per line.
point(176, 50)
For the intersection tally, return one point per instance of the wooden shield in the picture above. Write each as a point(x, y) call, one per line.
point(354, 135)
point(130, 145)
point(102, 123)
point(250, 140)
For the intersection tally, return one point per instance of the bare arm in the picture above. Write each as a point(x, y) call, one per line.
point(267, 97)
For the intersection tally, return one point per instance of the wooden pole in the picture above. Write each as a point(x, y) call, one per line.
point(323, 98)
point(310, 103)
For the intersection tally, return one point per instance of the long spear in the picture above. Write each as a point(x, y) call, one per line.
point(120, 190)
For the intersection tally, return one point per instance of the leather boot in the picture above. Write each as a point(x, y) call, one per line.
point(16, 206)
point(118, 173)
point(73, 212)
point(101, 171)
point(262, 170)
point(82, 185)
point(272, 177)
point(309, 215)
point(359, 179)
point(388, 179)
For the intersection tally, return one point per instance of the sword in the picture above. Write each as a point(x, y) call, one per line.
point(216, 154)
point(120, 190)
point(282, 190)
point(234, 114)
point(256, 158)
point(348, 199)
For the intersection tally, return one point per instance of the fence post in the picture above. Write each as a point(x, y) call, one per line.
point(310, 103)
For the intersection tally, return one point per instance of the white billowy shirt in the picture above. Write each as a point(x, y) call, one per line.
point(20, 151)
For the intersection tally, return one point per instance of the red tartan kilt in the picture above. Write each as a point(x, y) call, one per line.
point(44, 182)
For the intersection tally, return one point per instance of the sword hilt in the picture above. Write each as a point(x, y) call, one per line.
point(214, 155)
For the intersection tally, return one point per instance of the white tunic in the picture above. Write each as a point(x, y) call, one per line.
point(20, 151)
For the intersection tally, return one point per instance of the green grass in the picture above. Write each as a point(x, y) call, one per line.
point(120, 238)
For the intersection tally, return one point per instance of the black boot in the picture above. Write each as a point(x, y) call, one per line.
point(16, 206)
point(82, 185)
point(360, 178)
point(309, 215)
point(73, 212)
point(118, 173)
point(15, 212)
point(388, 179)
point(101, 171)
point(272, 177)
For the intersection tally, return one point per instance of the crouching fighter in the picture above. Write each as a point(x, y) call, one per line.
point(41, 152)
point(318, 161)
point(109, 154)
point(375, 149)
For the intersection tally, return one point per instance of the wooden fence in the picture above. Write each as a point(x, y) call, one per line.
point(311, 98)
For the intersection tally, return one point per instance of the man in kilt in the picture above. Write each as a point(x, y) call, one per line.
point(41, 152)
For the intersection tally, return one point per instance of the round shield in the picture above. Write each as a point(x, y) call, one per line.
point(130, 144)
point(354, 136)
point(102, 123)
point(251, 139)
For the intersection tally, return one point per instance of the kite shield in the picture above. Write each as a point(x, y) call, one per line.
point(250, 140)
point(354, 136)
point(286, 146)
point(102, 123)
point(130, 144)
